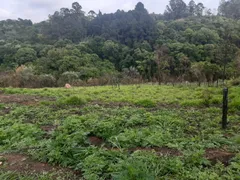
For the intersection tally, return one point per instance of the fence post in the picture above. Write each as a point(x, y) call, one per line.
point(225, 108)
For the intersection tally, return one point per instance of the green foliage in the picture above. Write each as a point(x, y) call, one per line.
point(230, 8)
point(73, 100)
point(206, 96)
point(68, 77)
point(25, 55)
point(235, 82)
point(146, 103)
point(169, 142)
point(183, 44)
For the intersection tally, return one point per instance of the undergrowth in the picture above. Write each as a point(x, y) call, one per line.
point(176, 118)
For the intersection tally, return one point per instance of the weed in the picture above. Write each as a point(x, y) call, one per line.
point(191, 128)
point(73, 100)
point(146, 103)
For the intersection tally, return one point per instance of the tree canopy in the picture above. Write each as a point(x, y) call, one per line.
point(186, 42)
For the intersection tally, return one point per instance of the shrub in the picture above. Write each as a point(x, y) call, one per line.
point(24, 78)
point(206, 97)
point(6, 79)
point(46, 81)
point(235, 82)
point(146, 103)
point(235, 104)
point(68, 77)
point(73, 100)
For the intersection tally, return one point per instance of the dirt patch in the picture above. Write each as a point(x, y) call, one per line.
point(215, 155)
point(96, 141)
point(23, 99)
point(48, 128)
point(23, 164)
point(5, 110)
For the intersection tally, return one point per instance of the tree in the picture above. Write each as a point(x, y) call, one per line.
point(176, 9)
point(140, 8)
point(127, 28)
point(91, 15)
point(113, 52)
point(77, 8)
point(25, 55)
point(161, 59)
point(199, 9)
point(206, 36)
point(67, 24)
point(230, 8)
point(197, 70)
point(192, 8)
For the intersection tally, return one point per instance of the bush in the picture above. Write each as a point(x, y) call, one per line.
point(6, 79)
point(46, 81)
point(73, 100)
point(146, 103)
point(234, 82)
point(206, 97)
point(68, 77)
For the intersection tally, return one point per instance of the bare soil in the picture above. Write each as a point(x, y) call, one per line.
point(48, 128)
point(96, 141)
point(22, 99)
point(215, 155)
point(23, 164)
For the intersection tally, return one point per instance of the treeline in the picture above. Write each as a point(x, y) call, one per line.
point(186, 43)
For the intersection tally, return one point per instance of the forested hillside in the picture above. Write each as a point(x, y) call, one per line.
point(185, 43)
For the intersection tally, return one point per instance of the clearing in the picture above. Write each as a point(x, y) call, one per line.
point(135, 132)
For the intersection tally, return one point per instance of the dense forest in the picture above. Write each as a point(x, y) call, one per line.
point(186, 43)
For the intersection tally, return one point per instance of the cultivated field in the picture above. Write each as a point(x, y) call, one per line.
point(136, 132)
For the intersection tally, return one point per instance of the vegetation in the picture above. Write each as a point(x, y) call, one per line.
point(186, 43)
point(142, 131)
point(135, 132)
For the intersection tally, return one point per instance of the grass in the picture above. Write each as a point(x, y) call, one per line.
point(181, 118)
point(187, 96)
point(73, 100)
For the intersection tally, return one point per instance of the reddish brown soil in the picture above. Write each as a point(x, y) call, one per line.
point(96, 141)
point(23, 164)
point(215, 155)
point(22, 99)
point(48, 128)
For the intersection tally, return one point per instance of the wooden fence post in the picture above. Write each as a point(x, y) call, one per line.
point(225, 108)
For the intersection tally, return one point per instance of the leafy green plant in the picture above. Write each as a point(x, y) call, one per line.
point(146, 103)
point(73, 100)
point(206, 97)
